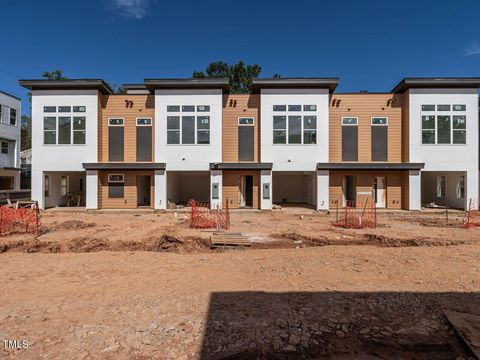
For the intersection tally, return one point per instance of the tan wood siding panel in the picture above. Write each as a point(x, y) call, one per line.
point(365, 106)
point(129, 201)
point(396, 186)
point(235, 106)
point(231, 187)
point(129, 107)
point(405, 127)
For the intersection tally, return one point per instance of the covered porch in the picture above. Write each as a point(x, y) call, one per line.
point(64, 189)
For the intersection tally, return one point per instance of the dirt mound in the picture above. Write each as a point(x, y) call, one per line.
point(73, 225)
point(84, 244)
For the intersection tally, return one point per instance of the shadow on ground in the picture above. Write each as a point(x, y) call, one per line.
point(334, 325)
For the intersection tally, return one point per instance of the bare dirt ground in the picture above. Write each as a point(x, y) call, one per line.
point(144, 285)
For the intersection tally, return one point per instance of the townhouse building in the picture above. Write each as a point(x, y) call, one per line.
point(292, 141)
point(10, 129)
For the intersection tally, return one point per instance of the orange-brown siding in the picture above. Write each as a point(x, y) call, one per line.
point(129, 201)
point(231, 187)
point(129, 107)
point(235, 106)
point(364, 106)
point(395, 184)
point(405, 127)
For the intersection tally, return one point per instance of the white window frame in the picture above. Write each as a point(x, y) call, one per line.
point(7, 148)
point(458, 187)
point(10, 116)
point(302, 114)
point(195, 114)
point(116, 118)
point(349, 117)
point(56, 114)
point(436, 113)
point(439, 187)
point(246, 117)
point(143, 118)
point(116, 181)
point(378, 117)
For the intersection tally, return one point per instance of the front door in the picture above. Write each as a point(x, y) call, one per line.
point(143, 190)
point(246, 191)
point(380, 191)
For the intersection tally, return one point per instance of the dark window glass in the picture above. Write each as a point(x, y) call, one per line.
point(173, 108)
point(443, 124)
point(294, 107)
point(49, 123)
point(459, 107)
point(379, 121)
point(309, 107)
point(428, 136)
point(203, 122)
point(79, 137)
point(279, 136)
point(144, 143)
point(245, 121)
point(459, 137)
point(173, 122)
point(294, 129)
point(64, 109)
point(50, 109)
point(13, 117)
point(349, 143)
point(379, 143)
point(310, 122)
point(428, 122)
point(350, 121)
point(459, 122)
point(64, 130)
point(279, 122)
point(115, 122)
point(443, 107)
point(115, 190)
point(188, 108)
point(428, 107)
point(4, 147)
point(279, 107)
point(173, 137)
point(188, 129)
point(203, 108)
point(79, 108)
point(203, 137)
point(245, 143)
point(115, 143)
point(79, 123)
point(144, 122)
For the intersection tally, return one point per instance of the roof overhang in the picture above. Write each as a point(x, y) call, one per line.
point(67, 84)
point(241, 166)
point(12, 96)
point(124, 166)
point(370, 166)
point(296, 83)
point(439, 83)
point(10, 168)
point(186, 84)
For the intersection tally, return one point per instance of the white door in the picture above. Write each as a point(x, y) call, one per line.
point(380, 191)
point(241, 193)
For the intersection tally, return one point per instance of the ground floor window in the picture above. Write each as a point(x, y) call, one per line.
point(47, 186)
point(460, 187)
point(64, 185)
point(116, 184)
point(6, 182)
point(441, 186)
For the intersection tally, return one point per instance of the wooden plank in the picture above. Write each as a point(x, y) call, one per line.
point(467, 326)
point(229, 239)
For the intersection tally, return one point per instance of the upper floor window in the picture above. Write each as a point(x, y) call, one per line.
point(8, 115)
point(13, 117)
point(246, 121)
point(350, 121)
point(379, 134)
point(349, 138)
point(294, 124)
point(64, 130)
point(144, 121)
point(448, 126)
point(188, 127)
point(4, 147)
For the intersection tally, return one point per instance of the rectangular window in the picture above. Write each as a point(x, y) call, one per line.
point(350, 121)
point(46, 186)
point(461, 187)
point(349, 139)
point(4, 147)
point(203, 108)
point(459, 107)
point(173, 129)
point(173, 108)
point(49, 130)
point(188, 129)
point(13, 117)
point(443, 129)
point(144, 139)
point(279, 129)
point(64, 184)
point(144, 121)
point(309, 129)
point(116, 183)
point(115, 122)
point(443, 107)
point(428, 107)
point(116, 139)
point(459, 129)
point(79, 108)
point(441, 186)
point(379, 121)
point(428, 129)
point(188, 108)
point(64, 130)
point(203, 129)
point(309, 107)
point(294, 107)
point(49, 109)
point(79, 132)
point(294, 129)
point(246, 121)
point(279, 107)
point(65, 109)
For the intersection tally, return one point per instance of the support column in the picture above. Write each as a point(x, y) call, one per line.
point(414, 190)
point(91, 198)
point(266, 189)
point(160, 190)
point(471, 189)
point(323, 187)
point(38, 188)
point(216, 184)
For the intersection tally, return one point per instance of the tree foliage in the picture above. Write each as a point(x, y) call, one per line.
point(26, 132)
point(54, 75)
point(240, 75)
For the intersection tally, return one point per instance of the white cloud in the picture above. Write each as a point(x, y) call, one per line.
point(473, 49)
point(132, 8)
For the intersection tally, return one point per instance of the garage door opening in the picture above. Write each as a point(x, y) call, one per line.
point(183, 186)
point(294, 189)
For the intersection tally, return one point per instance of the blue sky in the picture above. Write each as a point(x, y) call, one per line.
point(369, 44)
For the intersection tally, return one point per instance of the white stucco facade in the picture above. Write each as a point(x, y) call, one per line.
point(10, 135)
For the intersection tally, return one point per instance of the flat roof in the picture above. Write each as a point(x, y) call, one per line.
point(124, 166)
point(134, 86)
point(296, 83)
point(12, 96)
point(176, 84)
point(440, 82)
point(241, 166)
point(67, 84)
point(370, 166)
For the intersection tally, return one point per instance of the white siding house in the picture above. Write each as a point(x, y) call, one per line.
point(10, 129)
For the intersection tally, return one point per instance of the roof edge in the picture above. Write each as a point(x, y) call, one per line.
point(436, 83)
point(66, 84)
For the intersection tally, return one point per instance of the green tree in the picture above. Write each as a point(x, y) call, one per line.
point(240, 75)
point(26, 132)
point(54, 75)
point(118, 89)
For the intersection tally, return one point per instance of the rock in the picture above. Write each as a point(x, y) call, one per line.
point(344, 328)
point(325, 329)
point(284, 335)
point(281, 323)
point(290, 348)
point(340, 334)
point(294, 339)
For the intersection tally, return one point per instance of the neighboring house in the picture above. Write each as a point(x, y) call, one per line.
point(26, 169)
point(10, 112)
point(291, 142)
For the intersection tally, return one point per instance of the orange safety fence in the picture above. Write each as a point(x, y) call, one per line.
point(357, 217)
point(472, 215)
point(19, 220)
point(202, 217)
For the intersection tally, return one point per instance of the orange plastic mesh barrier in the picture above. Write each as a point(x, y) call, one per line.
point(360, 217)
point(472, 216)
point(18, 221)
point(202, 217)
